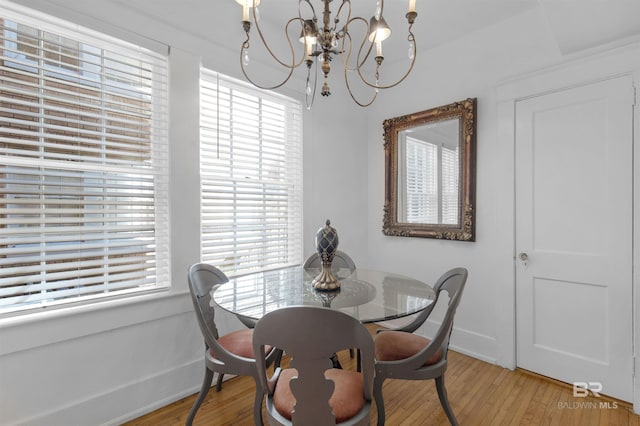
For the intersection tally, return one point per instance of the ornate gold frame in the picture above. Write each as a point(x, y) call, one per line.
point(465, 229)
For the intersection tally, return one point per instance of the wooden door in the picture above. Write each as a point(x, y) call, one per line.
point(574, 173)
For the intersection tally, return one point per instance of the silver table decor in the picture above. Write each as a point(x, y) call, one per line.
point(326, 244)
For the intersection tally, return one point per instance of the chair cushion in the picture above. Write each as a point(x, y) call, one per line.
point(239, 343)
point(397, 345)
point(346, 400)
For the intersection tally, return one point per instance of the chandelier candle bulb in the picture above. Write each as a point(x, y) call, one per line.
point(309, 51)
point(378, 48)
point(412, 6)
point(246, 4)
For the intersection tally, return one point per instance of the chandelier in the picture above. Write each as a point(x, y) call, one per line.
point(326, 39)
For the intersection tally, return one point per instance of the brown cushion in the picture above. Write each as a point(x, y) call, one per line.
point(346, 400)
point(239, 343)
point(396, 345)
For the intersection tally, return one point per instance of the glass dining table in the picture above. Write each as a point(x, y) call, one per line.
point(366, 294)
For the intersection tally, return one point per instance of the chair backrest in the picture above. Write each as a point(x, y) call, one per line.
point(341, 260)
point(312, 335)
point(453, 282)
point(448, 277)
point(202, 279)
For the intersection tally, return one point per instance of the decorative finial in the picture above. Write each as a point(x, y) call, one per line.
point(326, 245)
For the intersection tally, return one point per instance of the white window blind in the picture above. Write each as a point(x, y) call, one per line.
point(251, 176)
point(431, 183)
point(83, 165)
point(450, 197)
point(422, 181)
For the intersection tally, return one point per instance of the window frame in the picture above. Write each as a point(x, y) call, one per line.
point(157, 172)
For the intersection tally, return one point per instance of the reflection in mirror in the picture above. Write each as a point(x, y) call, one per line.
point(430, 173)
point(428, 168)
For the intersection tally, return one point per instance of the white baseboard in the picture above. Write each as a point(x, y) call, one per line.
point(180, 389)
point(473, 344)
point(126, 402)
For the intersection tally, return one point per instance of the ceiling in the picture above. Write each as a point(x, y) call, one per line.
point(573, 24)
point(438, 20)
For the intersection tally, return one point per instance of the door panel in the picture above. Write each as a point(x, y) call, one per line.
point(574, 222)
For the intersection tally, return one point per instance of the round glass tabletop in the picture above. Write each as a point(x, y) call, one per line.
point(366, 294)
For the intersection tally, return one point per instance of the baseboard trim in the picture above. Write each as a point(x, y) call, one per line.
point(467, 342)
point(127, 402)
point(569, 386)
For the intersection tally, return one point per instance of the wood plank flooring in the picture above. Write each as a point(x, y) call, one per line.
point(480, 394)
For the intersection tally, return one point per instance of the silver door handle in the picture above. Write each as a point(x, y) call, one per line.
point(523, 256)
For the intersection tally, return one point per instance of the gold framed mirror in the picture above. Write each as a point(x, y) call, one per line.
point(430, 173)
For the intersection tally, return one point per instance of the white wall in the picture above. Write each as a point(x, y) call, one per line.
point(109, 363)
point(335, 173)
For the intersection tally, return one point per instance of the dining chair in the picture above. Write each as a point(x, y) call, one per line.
point(400, 354)
point(311, 392)
point(231, 353)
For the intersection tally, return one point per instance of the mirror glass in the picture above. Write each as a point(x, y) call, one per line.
point(430, 173)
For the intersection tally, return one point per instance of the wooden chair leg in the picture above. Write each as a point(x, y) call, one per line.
point(219, 382)
point(377, 395)
point(442, 394)
point(204, 389)
point(257, 406)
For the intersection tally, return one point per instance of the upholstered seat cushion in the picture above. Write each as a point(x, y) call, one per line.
point(239, 343)
point(346, 401)
point(396, 345)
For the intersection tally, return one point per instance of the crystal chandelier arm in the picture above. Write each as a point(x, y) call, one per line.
point(266, 45)
point(313, 9)
point(410, 38)
point(347, 69)
point(244, 71)
point(362, 104)
point(290, 67)
point(337, 18)
point(346, 35)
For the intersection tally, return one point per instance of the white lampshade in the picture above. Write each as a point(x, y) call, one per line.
point(310, 32)
point(379, 29)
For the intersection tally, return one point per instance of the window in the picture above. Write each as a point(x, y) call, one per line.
point(83, 165)
point(422, 181)
point(251, 176)
point(431, 182)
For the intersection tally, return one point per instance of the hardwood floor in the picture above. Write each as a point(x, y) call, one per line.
point(480, 394)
